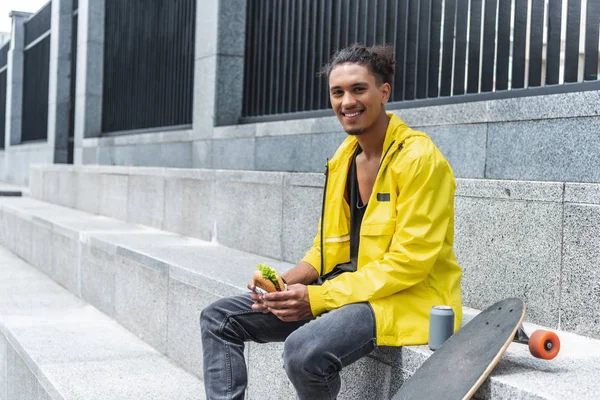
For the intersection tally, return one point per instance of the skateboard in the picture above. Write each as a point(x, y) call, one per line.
point(464, 361)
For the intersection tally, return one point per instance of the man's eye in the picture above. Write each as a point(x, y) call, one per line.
point(359, 89)
point(336, 93)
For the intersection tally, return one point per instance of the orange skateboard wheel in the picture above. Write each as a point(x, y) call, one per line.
point(544, 344)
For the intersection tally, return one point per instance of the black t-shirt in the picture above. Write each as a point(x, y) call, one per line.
point(357, 209)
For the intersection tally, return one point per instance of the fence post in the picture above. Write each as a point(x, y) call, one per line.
point(60, 79)
point(218, 71)
point(14, 79)
point(90, 67)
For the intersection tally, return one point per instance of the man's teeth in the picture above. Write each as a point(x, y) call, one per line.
point(353, 114)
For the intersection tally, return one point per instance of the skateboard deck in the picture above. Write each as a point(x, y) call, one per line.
point(463, 362)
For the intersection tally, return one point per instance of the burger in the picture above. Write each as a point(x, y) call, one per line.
point(267, 280)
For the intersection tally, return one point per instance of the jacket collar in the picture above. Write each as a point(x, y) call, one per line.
point(396, 132)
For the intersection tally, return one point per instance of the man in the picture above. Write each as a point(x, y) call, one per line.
point(381, 259)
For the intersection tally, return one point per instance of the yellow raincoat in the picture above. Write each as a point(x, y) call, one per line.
point(406, 263)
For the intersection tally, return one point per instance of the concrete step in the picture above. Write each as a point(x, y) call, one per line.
point(155, 284)
point(55, 346)
point(539, 241)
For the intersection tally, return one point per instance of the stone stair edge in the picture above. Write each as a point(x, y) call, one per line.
point(26, 322)
point(552, 191)
point(113, 244)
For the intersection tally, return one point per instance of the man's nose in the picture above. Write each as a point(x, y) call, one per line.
point(348, 100)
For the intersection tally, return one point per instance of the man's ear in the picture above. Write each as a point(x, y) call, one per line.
point(386, 91)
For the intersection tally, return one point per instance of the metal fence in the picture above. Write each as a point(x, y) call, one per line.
point(4, 55)
point(148, 64)
point(71, 139)
point(445, 50)
point(3, 74)
point(36, 72)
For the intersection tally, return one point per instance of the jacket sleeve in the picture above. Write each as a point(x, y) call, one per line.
point(424, 209)
point(313, 256)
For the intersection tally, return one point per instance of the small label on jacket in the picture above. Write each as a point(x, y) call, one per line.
point(383, 197)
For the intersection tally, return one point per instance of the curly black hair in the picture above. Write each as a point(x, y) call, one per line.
point(379, 60)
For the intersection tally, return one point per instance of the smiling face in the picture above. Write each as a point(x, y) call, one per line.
point(356, 97)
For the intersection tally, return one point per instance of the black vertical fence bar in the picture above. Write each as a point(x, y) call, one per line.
point(536, 43)
point(308, 51)
point(2, 105)
point(423, 48)
point(489, 46)
point(400, 48)
point(503, 52)
point(590, 71)
point(347, 5)
point(318, 45)
point(362, 21)
point(390, 22)
point(327, 38)
point(3, 73)
point(375, 26)
point(149, 64)
point(572, 41)
point(380, 19)
point(271, 38)
point(382, 22)
point(285, 77)
point(35, 91)
point(318, 22)
point(337, 20)
point(4, 55)
point(260, 64)
point(297, 104)
point(291, 55)
point(168, 14)
point(553, 48)
point(434, 48)
point(248, 70)
point(519, 45)
point(412, 40)
point(72, 95)
point(448, 48)
point(460, 59)
point(352, 21)
point(474, 46)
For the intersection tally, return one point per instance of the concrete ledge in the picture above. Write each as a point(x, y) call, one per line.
point(565, 105)
point(508, 233)
point(183, 135)
point(517, 138)
point(55, 346)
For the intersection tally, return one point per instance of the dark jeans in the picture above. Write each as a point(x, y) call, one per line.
point(315, 350)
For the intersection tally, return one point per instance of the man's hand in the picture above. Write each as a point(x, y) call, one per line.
point(290, 305)
point(257, 299)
